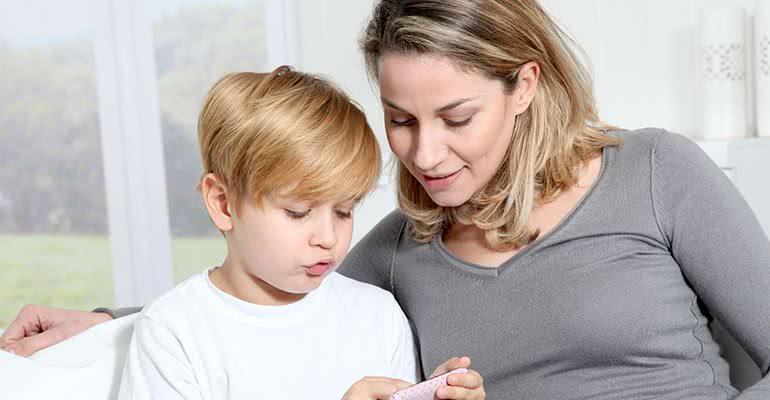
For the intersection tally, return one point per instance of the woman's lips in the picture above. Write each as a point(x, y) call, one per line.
point(443, 182)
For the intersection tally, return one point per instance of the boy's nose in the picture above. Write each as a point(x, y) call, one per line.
point(324, 235)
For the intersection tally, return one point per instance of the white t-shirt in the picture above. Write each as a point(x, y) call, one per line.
point(197, 342)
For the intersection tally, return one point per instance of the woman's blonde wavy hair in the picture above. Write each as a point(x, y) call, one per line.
point(264, 132)
point(551, 140)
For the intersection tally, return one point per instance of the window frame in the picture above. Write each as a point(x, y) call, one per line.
point(132, 142)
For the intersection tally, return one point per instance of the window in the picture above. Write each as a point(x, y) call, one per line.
point(53, 217)
point(195, 44)
point(98, 153)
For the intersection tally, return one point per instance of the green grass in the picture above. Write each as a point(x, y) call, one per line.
point(75, 272)
point(193, 255)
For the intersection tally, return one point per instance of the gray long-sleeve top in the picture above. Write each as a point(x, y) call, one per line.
point(613, 303)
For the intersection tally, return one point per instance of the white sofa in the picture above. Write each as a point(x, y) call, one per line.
point(86, 367)
point(89, 366)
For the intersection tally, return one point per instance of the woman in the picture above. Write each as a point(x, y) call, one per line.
point(569, 260)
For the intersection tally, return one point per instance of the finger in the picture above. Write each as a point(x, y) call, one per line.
point(384, 389)
point(29, 345)
point(400, 384)
point(453, 392)
point(397, 382)
point(469, 380)
point(18, 329)
point(456, 393)
point(451, 365)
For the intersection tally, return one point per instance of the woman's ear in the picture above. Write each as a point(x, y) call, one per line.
point(526, 87)
point(218, 204)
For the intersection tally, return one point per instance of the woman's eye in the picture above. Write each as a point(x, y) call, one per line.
point(344, 214)
point(297, 214)
point(457, 124)
point(405, 122)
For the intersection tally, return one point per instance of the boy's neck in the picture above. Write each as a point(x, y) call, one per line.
point(235, 281)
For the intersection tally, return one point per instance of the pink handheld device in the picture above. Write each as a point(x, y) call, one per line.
point(425, 390)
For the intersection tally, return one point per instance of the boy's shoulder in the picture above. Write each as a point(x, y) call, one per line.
point(352, 287)
point(177, 301)
point(356, 292)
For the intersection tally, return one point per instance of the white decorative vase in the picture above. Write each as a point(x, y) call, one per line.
point(723, 67)
point(762, 66)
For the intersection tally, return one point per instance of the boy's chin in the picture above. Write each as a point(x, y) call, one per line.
point(306, 285)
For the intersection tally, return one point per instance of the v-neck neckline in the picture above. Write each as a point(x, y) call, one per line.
point(506, 265)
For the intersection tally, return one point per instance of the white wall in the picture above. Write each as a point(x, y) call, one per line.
point(644, 55)
point(328, 32)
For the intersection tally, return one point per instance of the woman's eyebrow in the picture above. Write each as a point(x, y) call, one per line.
point(454, 104)
point(392, 105)
point(438, 110)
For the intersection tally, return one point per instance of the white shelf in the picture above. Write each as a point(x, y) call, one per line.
point(725, 151)
point(747, 162)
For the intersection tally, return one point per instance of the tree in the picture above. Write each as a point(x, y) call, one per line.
point(51, 177)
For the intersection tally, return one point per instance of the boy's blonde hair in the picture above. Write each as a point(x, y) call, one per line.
point(260, 132)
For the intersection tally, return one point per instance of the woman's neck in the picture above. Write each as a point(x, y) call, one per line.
point(469, 242)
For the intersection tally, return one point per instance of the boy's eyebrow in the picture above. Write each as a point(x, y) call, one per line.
point(350, 201)
point(438, 110)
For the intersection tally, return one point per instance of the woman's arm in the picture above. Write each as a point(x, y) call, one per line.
point(37, 327)
point(118, 312)
point(719, 244)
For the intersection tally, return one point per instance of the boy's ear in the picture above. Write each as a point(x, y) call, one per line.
point(217, 202)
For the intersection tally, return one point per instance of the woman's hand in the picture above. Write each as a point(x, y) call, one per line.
point(375, 388)
point(469, 385)
point(38, 327)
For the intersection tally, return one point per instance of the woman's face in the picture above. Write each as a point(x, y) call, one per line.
point(450, 128)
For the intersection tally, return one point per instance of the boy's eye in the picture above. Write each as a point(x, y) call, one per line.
point(344, 214)
point(297, 214)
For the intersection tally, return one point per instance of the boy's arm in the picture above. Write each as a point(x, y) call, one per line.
point(403, 363)
point(156, 365)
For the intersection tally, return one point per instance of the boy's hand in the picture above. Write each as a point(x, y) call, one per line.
point(38, 327)
point(375, 388)
point(468, 386)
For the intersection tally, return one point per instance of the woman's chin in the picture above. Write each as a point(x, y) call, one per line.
point(448, 199)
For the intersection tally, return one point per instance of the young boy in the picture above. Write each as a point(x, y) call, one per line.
point(286, 157)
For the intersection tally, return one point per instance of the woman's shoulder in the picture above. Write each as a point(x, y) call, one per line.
point(370, 259)
point(664, 160)
point(655, 147)
point(387, 231)
point(639, 140)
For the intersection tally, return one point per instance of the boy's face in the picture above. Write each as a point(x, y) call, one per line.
point(290, 244)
